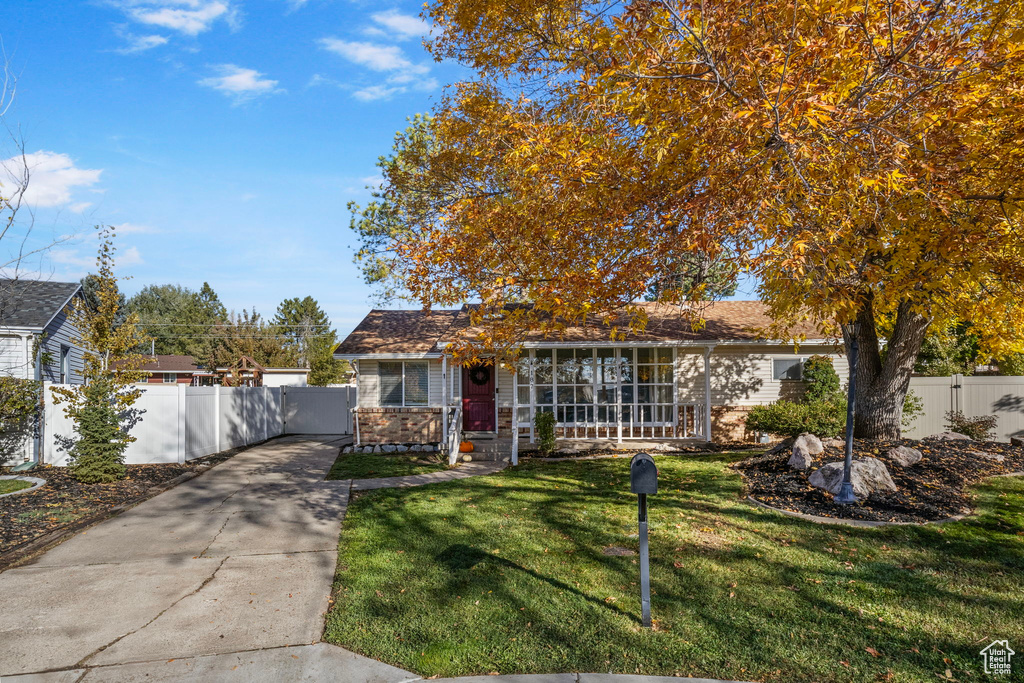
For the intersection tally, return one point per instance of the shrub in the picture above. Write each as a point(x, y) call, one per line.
point(97, 456)
point(913, 408)
point(544, 424)
point(821, 379)
point(19, 399)
point(825, 418)
point(980, 428)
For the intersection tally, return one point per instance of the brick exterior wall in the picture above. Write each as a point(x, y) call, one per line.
point(728, 424)
point(399, 425)
point(504, 422)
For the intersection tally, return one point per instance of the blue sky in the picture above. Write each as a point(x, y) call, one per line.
point(224, 137)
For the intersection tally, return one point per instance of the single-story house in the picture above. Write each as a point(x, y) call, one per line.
point(36, 337)
point(171, 369)
point(671, 382)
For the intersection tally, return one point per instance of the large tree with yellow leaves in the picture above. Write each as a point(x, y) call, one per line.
point(862, 159)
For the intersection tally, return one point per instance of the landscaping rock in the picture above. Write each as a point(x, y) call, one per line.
point(805, 448)
point(834, 443)
point(1017, 441)
point(810, 443)
point(867, 475)
point(950, 436)
point(388, 448)
point(801, 459)
point(987, 456)
point(401, 449)
point(904, 456)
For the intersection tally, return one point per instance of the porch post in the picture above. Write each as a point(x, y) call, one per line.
point(515, 415)
point(675, 394)
point(707, 391)
point(444, 399)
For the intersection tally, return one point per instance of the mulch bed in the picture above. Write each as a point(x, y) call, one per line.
point(935, 488)
point(62, 501)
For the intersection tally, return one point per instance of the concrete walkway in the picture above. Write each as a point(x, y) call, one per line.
point(223, 578)
point(469, 469)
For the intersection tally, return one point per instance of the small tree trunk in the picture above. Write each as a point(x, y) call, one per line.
point(882, 383)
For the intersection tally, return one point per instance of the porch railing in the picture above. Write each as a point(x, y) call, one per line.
point(689, 424)
point(453, 437)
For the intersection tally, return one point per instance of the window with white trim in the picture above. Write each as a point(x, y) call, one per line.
point(403, 383)
point(787, 368)
point(170, 378)
point(65, 364)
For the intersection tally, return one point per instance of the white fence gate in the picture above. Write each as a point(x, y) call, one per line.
point(1002, 397)
point(180, 423)
point(318, 410)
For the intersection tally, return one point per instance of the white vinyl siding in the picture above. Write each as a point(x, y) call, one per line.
point(14, 358)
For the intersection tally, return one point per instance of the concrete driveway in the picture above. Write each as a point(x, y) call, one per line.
point(240, 559)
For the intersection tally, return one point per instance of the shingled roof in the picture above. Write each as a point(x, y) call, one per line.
point(33, 303)
point(170, 363)
point(385, 331)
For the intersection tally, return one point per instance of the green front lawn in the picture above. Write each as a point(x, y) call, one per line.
point(506, 573)
point(12, 485)
point(370, 465)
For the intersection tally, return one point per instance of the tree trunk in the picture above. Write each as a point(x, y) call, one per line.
point(884, 379)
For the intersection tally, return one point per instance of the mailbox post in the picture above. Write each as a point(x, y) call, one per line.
point(643, 480)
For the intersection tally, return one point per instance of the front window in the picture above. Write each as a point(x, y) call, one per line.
point(170, 378)
point(598, 386)
point(403, 383)
point(787, 368)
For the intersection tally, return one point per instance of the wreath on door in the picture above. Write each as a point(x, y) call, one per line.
point(480, 375)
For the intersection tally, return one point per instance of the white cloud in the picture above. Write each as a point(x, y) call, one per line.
point(87, 261)
point(141, 43)
point(240, 83)
point(51, 177)
point(401, 26)
point(377, 92)
point(129, 257)
point(371, 55)
point(134, 229)
point(190, 17)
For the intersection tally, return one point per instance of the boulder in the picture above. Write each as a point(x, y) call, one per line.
point(868, 475)
point(987, 456)
point(800, 460)
point(1017, 441)
point(805, 448)
point(401, 449)
point(346, 449)
point(388, 448)
point(810, 442)
point(783, 447)
point(904, 456)
point(949, 436)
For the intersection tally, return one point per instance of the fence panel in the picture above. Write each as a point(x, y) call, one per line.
point(936, 394)
point(1002, 397)
point(999, 396)
point(233, 427)
point(201, 421)
point(318, 410)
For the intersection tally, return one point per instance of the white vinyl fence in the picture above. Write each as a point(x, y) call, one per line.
point(181, 422)
point(999, 396)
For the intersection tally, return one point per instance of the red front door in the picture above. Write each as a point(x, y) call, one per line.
point(478, 398)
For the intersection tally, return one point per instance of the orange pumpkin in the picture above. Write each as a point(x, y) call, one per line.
point(466, 447)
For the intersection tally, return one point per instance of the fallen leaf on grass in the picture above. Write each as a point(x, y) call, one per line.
point(873, 652)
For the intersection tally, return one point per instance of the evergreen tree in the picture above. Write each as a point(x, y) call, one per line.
point(180, 320)
point(103, 408)
point(310, 338)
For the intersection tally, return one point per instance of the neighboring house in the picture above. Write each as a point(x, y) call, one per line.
point(172, 369)
point(672, 382)
point(34, 327)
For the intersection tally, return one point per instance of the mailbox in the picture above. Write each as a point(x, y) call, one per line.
point(643, 474)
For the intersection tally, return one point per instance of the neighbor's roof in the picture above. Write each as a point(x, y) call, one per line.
point(384, 332)
point(170, 363)
point(33, 303)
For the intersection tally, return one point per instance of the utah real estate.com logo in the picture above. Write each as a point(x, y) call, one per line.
point(997, 658)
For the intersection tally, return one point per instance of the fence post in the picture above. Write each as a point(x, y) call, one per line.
point(266, 413)
point(216, 418)
point(182, 423)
